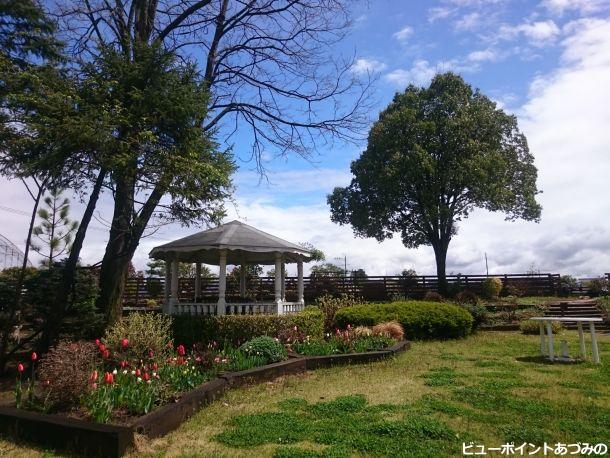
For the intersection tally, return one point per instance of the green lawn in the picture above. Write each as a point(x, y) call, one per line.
point(490, 388)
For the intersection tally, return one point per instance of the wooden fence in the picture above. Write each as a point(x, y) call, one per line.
point(139, 291)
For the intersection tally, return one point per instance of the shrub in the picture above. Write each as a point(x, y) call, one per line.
point(65, 370)
point(265, 346)
point(491, 287)
point(567, 284)
point(391, 329)
point(362, 331)
point(82, 319)
point(433, 296)
point(237, 329)
point(533, 327)
point(419, 319)
point(466, 297)
point(329, 306)
point(479, 313)
point(597, 287)
point(145, 332)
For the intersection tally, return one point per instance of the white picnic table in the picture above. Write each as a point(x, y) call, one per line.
point(545, 322)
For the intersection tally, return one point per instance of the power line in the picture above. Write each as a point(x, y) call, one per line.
point(97, 228)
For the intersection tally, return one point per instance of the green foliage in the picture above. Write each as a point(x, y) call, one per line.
point(327, 270)
point(479, 313)
point(237, 329)
point(434, 155)
point(329, 306)
point(420, 320)
point(533, 327)
point(81, 319)
point(343, 342)
point(567, 283)
point(267, 347)
point(597, 287)
point(491, 288)
point(55, 229)
point(144, 331)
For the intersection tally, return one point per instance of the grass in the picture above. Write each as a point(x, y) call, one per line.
point(489, 388)
point(526, 300)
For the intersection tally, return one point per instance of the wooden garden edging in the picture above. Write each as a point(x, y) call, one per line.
point(106, 440)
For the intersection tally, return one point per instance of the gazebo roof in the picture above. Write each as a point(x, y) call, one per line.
point(243, 243)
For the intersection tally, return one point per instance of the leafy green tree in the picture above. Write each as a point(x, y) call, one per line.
point(316, 254)
point(56, 229)
point(359, 274)
point(435, 155)
point(32, 88)
point(327, 270)
point(156, 105)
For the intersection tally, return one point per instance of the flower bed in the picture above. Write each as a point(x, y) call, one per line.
point(91, 438)
point(134, 375)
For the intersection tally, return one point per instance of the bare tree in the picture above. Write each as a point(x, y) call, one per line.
point(269, 64)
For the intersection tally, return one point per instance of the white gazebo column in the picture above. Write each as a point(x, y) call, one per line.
point(242, 280)
point(300, 289)
point(222, 283)
point(197, 281)
point(278, 283)
point(173, 301)
point(168, 279)
point(283, 281)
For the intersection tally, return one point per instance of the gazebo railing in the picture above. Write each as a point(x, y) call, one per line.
point(242, 308)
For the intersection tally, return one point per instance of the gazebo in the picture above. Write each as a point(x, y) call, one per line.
point(233, 243)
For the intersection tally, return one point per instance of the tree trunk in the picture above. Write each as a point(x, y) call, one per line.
point(116, 257)
point(62, 298)
point(440, 253)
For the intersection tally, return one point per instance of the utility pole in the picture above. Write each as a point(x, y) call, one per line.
point(486, 266)
point(344, 258)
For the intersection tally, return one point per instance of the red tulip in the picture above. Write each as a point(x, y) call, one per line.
point(155, 366)
point(93, 376)
point(123, 364)
point(138, 372)
point(181, 350)
point(124, 343)
point(151, 354)
point(34, 356)
point(146, 377)
point(97, 342)
point(108, 378)
point(20, 368)
point(102, 347)
point(106, 354)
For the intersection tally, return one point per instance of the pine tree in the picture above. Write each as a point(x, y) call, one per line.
point(55, 229)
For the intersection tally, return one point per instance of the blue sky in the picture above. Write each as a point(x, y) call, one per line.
point(547, 61)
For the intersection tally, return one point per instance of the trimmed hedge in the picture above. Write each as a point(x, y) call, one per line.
point(237, 329)
point(420, 319)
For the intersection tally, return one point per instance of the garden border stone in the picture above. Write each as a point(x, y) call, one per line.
point(90, 439)
point(110, 440)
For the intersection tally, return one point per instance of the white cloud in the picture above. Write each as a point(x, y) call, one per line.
point(468, 22)
point(583, 7)
point(540, 33)
point(439, 12)
point(403, 34)
point(363, 66)
point(422, 71)
point(484, 55)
